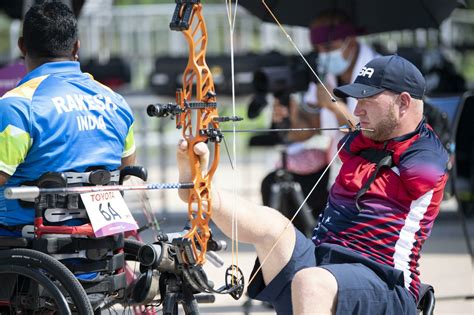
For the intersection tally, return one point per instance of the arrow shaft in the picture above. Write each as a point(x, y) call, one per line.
point(34, 191)
point(342, 128)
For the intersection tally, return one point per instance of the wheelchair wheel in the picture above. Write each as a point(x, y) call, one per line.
point(49, 271)
point(30, 291)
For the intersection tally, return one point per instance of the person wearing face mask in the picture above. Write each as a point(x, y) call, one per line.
point(340, 58)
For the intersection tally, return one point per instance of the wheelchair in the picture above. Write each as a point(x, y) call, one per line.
point(60, 269)
point(426, 302)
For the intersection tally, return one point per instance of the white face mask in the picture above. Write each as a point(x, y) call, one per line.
point(333, 61)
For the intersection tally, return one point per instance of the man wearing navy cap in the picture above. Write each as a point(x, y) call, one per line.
point(364, 253)
point(381, 79)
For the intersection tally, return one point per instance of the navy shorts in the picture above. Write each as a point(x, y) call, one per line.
point(364, 287)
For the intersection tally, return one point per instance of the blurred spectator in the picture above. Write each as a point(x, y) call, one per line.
point(340, 58)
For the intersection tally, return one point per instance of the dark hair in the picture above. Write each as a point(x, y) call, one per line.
point(49, 30)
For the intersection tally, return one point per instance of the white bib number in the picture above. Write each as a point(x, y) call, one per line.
point(108, 213)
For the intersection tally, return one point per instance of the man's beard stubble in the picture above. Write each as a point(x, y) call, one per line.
point(384, 129)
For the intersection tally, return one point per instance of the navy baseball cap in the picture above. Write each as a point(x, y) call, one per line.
point(392, 73)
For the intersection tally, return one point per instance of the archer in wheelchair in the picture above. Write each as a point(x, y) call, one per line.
point(66, 268)
point(362, 258)
point(62, 123)
point(62, 132)
point(78, 271)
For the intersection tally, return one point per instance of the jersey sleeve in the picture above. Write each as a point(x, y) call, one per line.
point(15, 138)
point(129, 147)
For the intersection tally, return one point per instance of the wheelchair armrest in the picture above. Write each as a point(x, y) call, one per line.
point(137, 171)
point(13, 242)
point(426, 301)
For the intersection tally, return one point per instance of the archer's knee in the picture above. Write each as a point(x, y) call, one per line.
point(314, 285)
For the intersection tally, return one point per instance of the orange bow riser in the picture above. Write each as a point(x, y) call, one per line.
point(196, 114)
point(188, 19)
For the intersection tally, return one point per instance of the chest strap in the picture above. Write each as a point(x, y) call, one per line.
point(383, 158)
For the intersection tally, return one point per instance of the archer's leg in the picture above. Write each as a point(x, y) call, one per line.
point(260, 226)
point(314, 291)
point(257, 225)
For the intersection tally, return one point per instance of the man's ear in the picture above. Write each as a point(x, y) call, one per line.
point(21, 46)
point(75, 50)
point(405, 101)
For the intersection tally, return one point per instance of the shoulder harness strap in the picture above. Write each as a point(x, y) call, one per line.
point(383, 158)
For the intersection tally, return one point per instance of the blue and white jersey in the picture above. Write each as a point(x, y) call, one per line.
point(59, 119)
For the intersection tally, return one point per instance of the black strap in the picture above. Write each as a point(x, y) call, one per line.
point(12, 242)
point(374, 155)
point(106, 265)
point(73, 244)
point(105, 283)
point(383, 158)
point(60, 179)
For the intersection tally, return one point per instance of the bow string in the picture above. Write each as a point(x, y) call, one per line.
point(351, 126)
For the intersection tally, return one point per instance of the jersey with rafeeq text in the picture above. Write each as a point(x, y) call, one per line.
point(398, 210)
point(59, 119)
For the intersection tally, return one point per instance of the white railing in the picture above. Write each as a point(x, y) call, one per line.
point(143, 30)
point(140, 33)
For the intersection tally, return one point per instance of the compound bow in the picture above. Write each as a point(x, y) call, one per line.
point(196, 115)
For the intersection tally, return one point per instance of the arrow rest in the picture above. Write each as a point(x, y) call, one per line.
point(212, 134)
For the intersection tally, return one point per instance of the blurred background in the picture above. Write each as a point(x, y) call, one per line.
point(127, 45)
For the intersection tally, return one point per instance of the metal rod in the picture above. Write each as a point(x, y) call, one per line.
point(342, 128)
point(34, 191)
